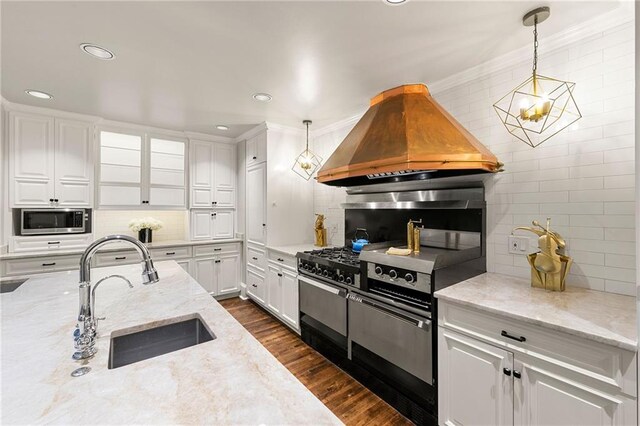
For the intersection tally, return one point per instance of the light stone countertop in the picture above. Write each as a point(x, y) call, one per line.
point(603, 317)
point(293, 249)
point(230, 380)
point(115, 247)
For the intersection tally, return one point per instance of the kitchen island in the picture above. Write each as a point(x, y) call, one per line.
point(229, 380)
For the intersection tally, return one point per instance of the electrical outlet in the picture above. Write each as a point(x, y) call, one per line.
point(518, 245)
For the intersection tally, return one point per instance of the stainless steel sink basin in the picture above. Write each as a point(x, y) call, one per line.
point(136, 346)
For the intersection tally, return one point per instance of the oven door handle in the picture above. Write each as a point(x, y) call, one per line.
point(423, 323)
point(337, 291)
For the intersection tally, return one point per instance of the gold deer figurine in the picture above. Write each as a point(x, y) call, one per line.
point(549, 266)
point(321, 231)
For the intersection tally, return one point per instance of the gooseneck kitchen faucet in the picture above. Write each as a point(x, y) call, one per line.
point(85, 333)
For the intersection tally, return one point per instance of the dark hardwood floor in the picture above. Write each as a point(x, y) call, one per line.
point(351, 402)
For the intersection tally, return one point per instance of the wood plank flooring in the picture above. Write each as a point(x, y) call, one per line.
point(351, 402)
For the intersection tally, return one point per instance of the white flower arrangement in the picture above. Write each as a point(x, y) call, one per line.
point(145, 223)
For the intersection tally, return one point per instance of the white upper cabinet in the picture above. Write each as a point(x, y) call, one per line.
point(257, 149)
point(51, 161)
point(256, 221)
point(141, 171)
point(212, 224)
point(213, 175)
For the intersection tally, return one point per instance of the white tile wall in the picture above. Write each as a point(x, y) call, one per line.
point(583, 178)
point(107, 222)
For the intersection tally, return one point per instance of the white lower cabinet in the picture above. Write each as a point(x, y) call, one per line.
point(219, 275)
point(545, 378)
point(256, 286)
point(282, 293)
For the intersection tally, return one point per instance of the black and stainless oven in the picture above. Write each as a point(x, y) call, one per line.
point(51, 221)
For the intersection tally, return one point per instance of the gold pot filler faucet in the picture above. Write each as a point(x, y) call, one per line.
point(550, 266)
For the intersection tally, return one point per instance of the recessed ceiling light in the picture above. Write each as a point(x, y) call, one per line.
point(222, 127)
point(262, 97)
point(38, 94)
point(97, 51)
point(395, 2)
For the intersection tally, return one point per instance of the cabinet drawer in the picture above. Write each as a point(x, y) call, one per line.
point(39, 265)
point(256, 286)
point(282, 259)
point(159, 254)
point(256, 258)
point(113, 258)
point(213, 249)
point(50, 243)
point(580, 359)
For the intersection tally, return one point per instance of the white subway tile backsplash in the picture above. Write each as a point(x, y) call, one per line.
point(582, 178)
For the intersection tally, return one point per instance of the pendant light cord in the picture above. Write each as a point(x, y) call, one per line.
point(307, 137)
point(535, 45)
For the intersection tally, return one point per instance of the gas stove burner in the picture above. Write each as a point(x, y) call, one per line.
point(333, 264)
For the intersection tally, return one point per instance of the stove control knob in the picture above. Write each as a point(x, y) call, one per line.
point(341, 278)
point(393, 274)
point(325, 273)
point(378, 270)
point(313, 270)
point(408, 278)
point(349, 280)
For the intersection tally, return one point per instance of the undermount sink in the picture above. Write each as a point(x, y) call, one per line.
point(136, 346)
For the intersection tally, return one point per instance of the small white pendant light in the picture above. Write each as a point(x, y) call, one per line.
point(307, 162)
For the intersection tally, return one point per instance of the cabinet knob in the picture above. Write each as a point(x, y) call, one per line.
point(254, 258)
point(254, 285)
point(279, 274)
point(51, 200)
point(217, 261)
point(254, 157)
point(506, 371)
point(517, 374)
point(280, 259)
point(264, 224)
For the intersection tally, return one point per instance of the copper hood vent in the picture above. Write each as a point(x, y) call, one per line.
point(406, 135)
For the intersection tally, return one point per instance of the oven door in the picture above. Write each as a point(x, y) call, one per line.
point(52, 221)
point(401, 338)
point(325, 303)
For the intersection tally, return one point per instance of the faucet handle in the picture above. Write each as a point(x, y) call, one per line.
point(76, 332)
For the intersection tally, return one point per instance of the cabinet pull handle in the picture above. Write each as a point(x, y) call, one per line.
point(517, 374)
point(254, 157)
point(51, 200)
point(55, 199)
point(171, 253)
point(510, 336)
point(217, 249)
point(254, 285)
point(53, 242)
point(49, 264)
point(254, 258)
point(506, 371)
point(121, 257)
point(280, 259)
point(217, 261)
point(279, 274)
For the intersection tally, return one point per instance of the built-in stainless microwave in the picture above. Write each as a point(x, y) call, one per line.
point(51, 221)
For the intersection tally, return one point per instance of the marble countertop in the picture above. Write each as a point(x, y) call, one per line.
point(230, 380)
point(603, 317)
point(115, 247)
point(294, 248)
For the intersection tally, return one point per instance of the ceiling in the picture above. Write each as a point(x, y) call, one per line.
point(192, 65)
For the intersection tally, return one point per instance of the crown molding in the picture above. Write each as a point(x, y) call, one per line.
point(619, 16)
point(262, 127)
point(285, 129)
point(11, 106)
point(209, 138)
point(349, 121)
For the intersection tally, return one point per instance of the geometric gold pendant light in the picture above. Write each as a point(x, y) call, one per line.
point(540, 107)
point(307, 162)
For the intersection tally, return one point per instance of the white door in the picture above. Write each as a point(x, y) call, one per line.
point(73, 163)
point(290, 312)
point(205, 274)
point(201, 154)
point(120, 169)
point(549, 399)
point(475, 382)
point(256, 204)
point(274, 289)
point(224, 160)
point(32, 165)
point(166, 173)
point(201, 224)
point(227, 274)
point(222, 224)
point(256, 286)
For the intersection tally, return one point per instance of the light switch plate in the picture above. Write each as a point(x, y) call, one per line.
point(518, 244)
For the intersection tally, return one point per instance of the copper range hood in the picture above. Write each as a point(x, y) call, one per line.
point(406, 135)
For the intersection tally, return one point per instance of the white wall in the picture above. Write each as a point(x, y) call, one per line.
point(582, 178)
point(108, 222)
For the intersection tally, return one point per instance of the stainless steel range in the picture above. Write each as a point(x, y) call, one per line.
point(375, 314)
